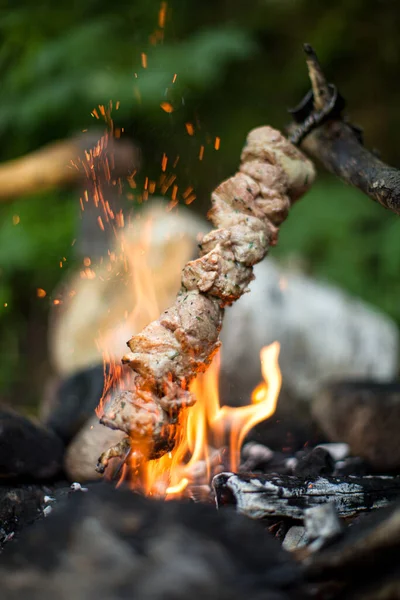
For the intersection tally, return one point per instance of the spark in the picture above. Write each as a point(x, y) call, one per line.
point(187, 192)
point(190, 199)
point(201, 153)
point(174, 77)
point(164, 162)
point(40, 293)
point(167, 107)
point(217, 143)
point(16, 219)
point(189, 128)
point(144, 60)
point(162, 14)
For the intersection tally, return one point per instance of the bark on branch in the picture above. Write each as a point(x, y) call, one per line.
point(323, 133)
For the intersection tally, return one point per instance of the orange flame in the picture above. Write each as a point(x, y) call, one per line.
point(206, 430)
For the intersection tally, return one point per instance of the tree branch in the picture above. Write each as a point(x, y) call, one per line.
point(322, 132)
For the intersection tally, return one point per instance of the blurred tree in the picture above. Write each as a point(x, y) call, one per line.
point(237, 65)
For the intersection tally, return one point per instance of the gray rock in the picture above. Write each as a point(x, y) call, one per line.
point(324, 334)
point(365, 415)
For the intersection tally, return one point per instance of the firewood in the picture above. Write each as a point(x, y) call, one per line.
point(259, 496)
point(247, 211)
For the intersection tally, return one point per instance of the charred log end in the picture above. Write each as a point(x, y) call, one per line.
point(223, 494)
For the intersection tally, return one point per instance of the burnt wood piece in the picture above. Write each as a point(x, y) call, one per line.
point(325, 135)
point(260, 496)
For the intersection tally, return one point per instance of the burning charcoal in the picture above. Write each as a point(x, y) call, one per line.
point(363, 564)
point(315, 463)
point(73, 402)
point(112, 544)
point(261, 496)
point(365, 415)
point(26, 449)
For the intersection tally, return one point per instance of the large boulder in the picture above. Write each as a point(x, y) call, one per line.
point(324, 334)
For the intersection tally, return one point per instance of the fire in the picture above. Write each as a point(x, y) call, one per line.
point(210, 427)
point(210, 435)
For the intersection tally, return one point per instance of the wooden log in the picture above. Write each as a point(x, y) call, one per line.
point(259, 496)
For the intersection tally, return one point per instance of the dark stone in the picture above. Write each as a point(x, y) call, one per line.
point(365, 415)
point(28, 450)
point(112, 544)
point(314, 463)
point(75, 401)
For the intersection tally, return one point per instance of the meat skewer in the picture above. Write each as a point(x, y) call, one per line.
point(247, 211)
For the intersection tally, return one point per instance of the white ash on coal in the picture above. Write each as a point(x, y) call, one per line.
point(269, 495)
